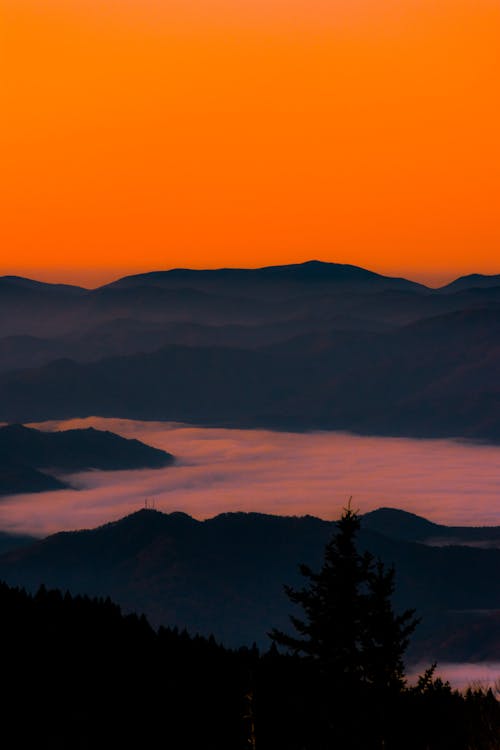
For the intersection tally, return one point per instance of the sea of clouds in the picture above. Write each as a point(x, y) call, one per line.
point(221, 470)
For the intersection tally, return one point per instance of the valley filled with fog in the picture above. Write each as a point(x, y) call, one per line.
point(222, 470)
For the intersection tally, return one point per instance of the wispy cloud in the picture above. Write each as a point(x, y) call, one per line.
point(221, 470)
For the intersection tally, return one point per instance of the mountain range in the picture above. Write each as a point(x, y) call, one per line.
point(27, 455)
point(225, 575)
point(313, 345)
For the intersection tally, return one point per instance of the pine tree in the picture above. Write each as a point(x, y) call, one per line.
point(349, 629)
point(351, 644)
point(385, 634)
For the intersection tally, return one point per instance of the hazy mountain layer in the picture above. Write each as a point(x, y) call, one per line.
point(313, 345)
point(435, 378)
point(307, 292)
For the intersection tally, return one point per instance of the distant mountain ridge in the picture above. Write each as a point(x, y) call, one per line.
point(32, 285)
point(225, 575)
point(472, 281)
point(307, 271)
point(17, 478)
point(400, 524)
point(313, 271)
point(435, 378)
point(27, 455)
point(306, 346)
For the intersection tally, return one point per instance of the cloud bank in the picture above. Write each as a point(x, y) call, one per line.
point(220, 470)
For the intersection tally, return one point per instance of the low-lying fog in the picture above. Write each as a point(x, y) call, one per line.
point(222, 470)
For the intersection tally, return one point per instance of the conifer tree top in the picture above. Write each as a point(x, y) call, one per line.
point(348, 627)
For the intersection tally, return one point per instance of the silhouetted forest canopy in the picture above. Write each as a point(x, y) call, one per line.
point(77, 673)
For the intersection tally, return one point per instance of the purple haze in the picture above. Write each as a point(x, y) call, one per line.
point(222, 470)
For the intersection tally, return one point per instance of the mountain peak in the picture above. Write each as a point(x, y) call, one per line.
point(155, 514)
point(472, 281)
point(302, 273)
point(397, 523)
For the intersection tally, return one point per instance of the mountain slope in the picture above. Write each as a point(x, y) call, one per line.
point(75, 450)
point(436, 378)
point(24, 451)
point(472, 281)
point(406, 526)
point(225, 575)
point(276, 280)
point(9, 542)
point(312, 345)
point(16, 478)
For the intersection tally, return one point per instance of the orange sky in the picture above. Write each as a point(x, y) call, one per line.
point(140, 134)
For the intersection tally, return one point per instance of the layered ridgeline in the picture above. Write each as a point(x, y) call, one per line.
point(29, 456)
point(314, 345)
point(225, 576)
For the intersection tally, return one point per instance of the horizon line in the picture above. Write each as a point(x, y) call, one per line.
point(117, 275)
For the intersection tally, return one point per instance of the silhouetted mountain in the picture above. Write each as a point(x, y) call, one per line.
point(16, 478)
point(33, 307)
point(220, 297)
point(400, 524)
point(24, 451)
point(472, 281)
point(75, 450)
point(225, 575)
point(311, 292)
point(10, 283)
point(288, 277)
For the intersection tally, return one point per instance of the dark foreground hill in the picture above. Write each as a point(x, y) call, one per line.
point(79, 674)
point(27, 453)
point(224, 575)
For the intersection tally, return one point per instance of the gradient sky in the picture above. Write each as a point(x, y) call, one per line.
point(140, 134)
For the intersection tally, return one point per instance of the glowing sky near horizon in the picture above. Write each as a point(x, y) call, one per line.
point(153, 133)
point(221, 470)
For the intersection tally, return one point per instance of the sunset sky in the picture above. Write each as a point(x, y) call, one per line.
point(141, 134)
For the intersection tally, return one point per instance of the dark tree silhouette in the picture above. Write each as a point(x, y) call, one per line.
point(78, 673)
point(350, 628)
point(350, 635)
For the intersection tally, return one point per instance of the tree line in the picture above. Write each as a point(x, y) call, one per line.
point(78, 673)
